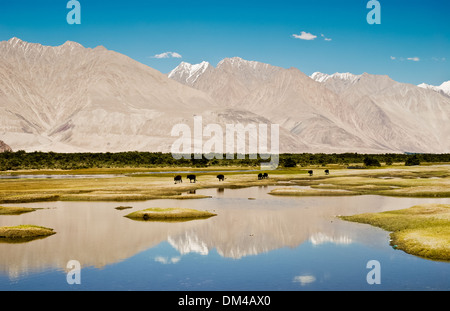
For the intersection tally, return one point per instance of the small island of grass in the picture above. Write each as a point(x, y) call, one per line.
point(421, 230)
point(119, 208)
point(15, 210)
point(169, 214)
point(24, 233)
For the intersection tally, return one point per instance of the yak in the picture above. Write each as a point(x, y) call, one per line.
point(191, 178)
point(178, 179)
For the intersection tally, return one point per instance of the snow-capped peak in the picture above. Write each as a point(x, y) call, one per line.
point(424, 85)
point(323, 77)
point(188, 72)
point(320, 77)
point(237, 62)
point(443, 88)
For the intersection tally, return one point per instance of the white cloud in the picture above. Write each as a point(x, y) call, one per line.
point(305, 36)
point(167, 55)
point(325, 38)
point(413, 59)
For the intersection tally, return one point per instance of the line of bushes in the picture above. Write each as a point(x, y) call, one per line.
point(67, 161)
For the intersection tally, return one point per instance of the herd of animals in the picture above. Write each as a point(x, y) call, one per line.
point(221, 177)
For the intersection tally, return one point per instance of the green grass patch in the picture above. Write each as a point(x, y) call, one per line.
point(422, 230)
point(23, 233)
point(119, 208)
point(15, 210)
point(169, 214)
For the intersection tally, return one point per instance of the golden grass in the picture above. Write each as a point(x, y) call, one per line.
point(169, 214)
point(427, 181)
point(422, 230)
point(23, 233)
point(423, 181)
point(10, 210)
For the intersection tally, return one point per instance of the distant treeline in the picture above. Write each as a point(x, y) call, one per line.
point(22, 160)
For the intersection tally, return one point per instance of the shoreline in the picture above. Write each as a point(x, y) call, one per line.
point(421, 230)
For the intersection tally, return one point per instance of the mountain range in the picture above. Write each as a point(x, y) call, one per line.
point(69, 98)
point(341, 112)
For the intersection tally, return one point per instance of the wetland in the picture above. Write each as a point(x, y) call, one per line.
point(270, 234)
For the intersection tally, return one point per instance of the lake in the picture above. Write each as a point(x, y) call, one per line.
point(256, 242)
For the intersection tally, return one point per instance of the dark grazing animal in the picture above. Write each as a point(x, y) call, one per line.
point(310, 172)
point(265, 175)
point(327, 172)
point(178, 179)
point(191, 178)
point(260, 176)
point(221, 177)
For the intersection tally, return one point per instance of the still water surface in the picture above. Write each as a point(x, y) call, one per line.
point(257, 242)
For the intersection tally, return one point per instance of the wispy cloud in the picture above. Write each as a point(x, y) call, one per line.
point(167, 55)
point(309, 36)
point(439, 59)
point(418, 59)
point(413, 59)
point(325, 38)
point(304, 36)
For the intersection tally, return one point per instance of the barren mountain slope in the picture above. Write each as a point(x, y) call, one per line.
point(397, 115)
point(71, 98)
point(330, 113)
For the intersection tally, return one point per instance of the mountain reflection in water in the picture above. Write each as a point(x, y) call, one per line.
point(96, 234)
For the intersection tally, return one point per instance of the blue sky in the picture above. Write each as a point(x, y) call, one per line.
point(412, 43)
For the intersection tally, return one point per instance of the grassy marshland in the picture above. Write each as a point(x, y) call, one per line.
point(422, 230)
point(426, 181)
point(420, 181)
point(169, 214)
point(23, 233)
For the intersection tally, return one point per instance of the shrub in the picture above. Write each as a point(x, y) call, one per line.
point(412, 160)
point(370, 161)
